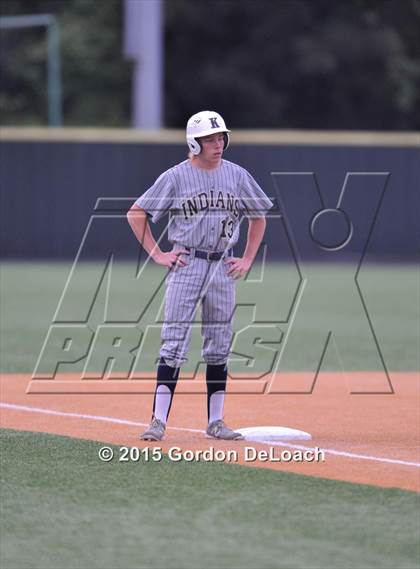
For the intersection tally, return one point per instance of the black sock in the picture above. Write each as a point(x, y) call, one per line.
point(167, 377)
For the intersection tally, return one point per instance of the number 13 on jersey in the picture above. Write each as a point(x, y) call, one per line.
point(227, 227)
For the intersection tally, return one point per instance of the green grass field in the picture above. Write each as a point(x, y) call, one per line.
point(31, 293)
point(62, 508)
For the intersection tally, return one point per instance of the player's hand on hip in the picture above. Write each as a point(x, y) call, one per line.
point(171, 259)
point(238, 266)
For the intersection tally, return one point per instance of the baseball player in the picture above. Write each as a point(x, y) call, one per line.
point(205, 196)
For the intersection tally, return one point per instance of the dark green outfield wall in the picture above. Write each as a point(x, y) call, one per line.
point(49, 192)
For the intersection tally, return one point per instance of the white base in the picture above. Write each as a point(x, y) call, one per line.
point(273, 434)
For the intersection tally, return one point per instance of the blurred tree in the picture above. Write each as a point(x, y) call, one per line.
point(325, 64)
point(295, 63)
point(95, 76)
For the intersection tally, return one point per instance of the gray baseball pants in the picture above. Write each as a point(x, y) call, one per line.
point(204, 284)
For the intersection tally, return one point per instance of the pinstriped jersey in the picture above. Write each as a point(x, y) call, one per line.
point(205, 206)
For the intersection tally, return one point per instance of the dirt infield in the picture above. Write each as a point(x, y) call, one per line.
point(367, 438)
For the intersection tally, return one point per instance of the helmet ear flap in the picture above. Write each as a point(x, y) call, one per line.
point(194, 145)
point(226, 140)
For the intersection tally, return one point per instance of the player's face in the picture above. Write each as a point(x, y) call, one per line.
point(212, 147)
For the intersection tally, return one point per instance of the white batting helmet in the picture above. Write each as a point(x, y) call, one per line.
point(205, 123)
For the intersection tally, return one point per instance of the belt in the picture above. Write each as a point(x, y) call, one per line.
point(211, 255)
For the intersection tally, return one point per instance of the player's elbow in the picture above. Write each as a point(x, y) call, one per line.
point(260, 221)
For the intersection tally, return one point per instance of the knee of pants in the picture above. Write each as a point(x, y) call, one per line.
point(175, 352)
point(216, 354)
point(217, 341)
point(172, 360)
point(176, 332)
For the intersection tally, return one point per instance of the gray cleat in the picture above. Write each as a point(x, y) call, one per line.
point(218, 430)
point(155, 431)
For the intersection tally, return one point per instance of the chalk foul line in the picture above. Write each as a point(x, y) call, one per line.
point(117, 421)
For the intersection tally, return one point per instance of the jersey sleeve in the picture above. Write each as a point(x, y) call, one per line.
point(159, 198)
point(254, 202)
